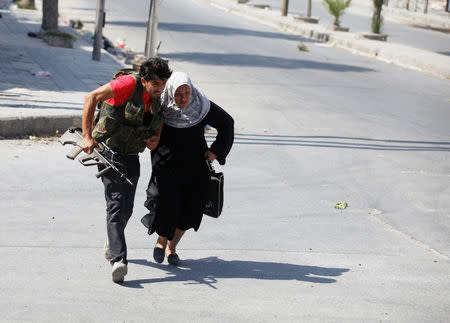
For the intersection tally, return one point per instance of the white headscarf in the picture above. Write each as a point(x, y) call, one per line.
point(193, 113)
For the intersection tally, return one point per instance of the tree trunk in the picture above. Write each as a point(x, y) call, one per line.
point(377, 19)
point(377, 13)
point(49, 15)
point(425, 9)
point(336, 22)
point(308, 10)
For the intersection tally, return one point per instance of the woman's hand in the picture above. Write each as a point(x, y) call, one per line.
point(210, 156)
point(152, 142)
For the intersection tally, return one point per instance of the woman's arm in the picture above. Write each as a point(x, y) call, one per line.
point(224, 123)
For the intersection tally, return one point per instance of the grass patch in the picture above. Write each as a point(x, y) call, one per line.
point(26, 6)
point(61, 34)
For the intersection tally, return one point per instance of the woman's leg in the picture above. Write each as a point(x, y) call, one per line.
point(159, 250)
point(172, 245)
point(161, 242)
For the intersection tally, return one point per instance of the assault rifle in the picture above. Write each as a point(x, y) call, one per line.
point(102, 155)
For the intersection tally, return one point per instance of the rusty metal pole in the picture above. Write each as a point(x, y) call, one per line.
point(284, 10)
point(152, 29)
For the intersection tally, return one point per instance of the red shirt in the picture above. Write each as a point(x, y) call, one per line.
point(122, 87)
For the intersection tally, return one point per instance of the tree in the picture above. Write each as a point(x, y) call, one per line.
point(377, 19)
point(49, 15)
point(336, 9)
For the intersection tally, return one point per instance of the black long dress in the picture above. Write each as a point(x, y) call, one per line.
point(176, 191)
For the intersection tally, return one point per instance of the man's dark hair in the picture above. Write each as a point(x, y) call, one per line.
point(155, 68)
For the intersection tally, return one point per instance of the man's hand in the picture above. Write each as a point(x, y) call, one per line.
point(88, 144)
point(152, 142)
point(210, 156)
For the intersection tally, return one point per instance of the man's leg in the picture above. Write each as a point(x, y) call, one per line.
point(119, 205)
point(115, 219)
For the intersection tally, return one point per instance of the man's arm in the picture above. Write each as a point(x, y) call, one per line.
point(91, 99)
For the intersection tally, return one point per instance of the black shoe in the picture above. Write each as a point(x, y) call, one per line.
point(158, 255)
point(173, 259)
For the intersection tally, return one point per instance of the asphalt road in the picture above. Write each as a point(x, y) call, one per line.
point(358, 18)
point(312, 129)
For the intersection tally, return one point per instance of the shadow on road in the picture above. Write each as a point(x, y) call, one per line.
point(260, 61)
point(339, 142)
point(209, 29)
point(209, 270)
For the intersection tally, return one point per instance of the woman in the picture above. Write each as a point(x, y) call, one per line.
point(177, 189)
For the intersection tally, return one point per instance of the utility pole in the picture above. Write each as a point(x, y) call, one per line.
point(284, 10)
point(99, 23)
point(152, 29)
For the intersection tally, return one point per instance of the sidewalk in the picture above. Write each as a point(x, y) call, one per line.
point(43, 105)
point(405, 56)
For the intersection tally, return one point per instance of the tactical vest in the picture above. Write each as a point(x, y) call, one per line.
point(124, 127)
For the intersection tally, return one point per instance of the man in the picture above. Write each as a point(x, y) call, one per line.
point(130, 119)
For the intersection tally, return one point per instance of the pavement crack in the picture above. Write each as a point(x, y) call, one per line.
point(373, 213)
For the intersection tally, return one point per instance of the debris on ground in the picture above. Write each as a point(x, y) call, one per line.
point(42, 73)
point(341, 205)
point(302, 47)
point(120, 50)
point(76, 24)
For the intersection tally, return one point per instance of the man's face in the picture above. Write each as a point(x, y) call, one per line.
point(154, 87)
point(183, 95)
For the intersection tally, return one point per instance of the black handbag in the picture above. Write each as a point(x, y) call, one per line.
point(214, 194)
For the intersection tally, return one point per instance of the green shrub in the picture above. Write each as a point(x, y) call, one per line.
point(336, 8)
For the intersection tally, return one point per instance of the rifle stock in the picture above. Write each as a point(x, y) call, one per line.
point(98, 157)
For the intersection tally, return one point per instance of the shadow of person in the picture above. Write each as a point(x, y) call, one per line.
point(209, 270)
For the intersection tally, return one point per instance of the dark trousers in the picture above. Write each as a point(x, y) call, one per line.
point(119, 205)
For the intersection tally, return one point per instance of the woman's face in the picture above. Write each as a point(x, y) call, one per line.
point(182, 95)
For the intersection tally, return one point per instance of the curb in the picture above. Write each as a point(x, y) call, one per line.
point(37, 126)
